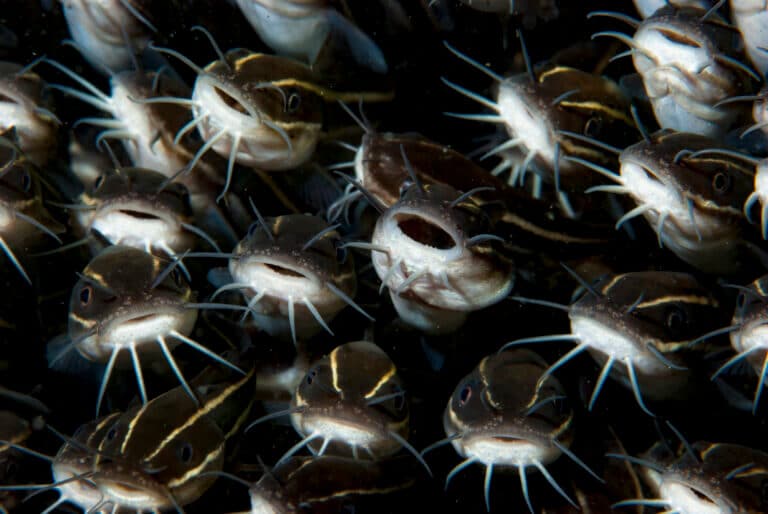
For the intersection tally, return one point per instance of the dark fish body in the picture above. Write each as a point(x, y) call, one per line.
point(151, 456)
point(327, 483)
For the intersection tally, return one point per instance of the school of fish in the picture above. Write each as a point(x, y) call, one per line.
point(336, 256)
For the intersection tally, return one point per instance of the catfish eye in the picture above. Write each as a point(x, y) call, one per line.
point(341, 254)
point(86, 295)
point(592, 127)
point(721, 183)
point(255, 226)
point(465, 394)
point(311, 376)
point(676, 319)
point(400, 402)
point(404, 187)
point(293, 103)
point(26, 181)
point(186, 198)
point(176, 276)
point(112, 433)
point(99, 182)
point(185, 452)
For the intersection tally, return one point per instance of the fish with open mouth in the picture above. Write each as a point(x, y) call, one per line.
point(135, 207)
point(436, 253)
point(382, 165)
point(259, 110)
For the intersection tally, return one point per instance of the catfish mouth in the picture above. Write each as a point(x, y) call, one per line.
point(677, 38)
point(141, 319)
point(126, 215)
point(225, 107)
point(515, 449)
point(650, 176)
point(144, 325)
point(424, 231)
point(684, 497)
point(134, 225)
point(145, 316)
point(282, 270)
point(353, 428)
point(701, 496)
point(510, 440)
point(280, 278)
point(273, 268)
point(129, 491)
point(4, 98)
point(141, 215)
point(231, 101)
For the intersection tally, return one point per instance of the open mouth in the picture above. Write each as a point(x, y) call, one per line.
point(143, 327)
point(131, 494)
point(282, 270)
point(648, 175)
point(231, 101)
point(509, 440)
point(424, 232)
point(141, 319)
point(702, 497)
point(142, 215)
point(6, 99)
point(678, 38)
point(685, 498)
point(343, 429)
